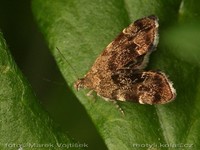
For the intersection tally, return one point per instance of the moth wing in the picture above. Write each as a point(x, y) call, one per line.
point(145, 87)
point(131, 48)
point(133, 45)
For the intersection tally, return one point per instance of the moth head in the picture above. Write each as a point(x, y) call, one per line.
point(79, 84)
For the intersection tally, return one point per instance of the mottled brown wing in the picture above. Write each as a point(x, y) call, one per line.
point(145, 87)
point(133, 45)
point(117, 73)
point(127, 51)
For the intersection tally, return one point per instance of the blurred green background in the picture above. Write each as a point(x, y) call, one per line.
point(37, 64)
point(35, 61)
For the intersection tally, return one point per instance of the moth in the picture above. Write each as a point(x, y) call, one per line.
point(118, 73)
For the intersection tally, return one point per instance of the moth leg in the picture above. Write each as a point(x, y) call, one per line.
point(89, 93)
point(118, 107)
point(115, 103)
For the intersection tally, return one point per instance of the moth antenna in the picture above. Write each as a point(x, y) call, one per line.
point(67, 62)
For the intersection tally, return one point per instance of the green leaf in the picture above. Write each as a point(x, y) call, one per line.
point(81, 29)
point(23, 123)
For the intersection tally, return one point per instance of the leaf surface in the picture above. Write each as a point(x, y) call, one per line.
point(23, 123)
point(81, 29)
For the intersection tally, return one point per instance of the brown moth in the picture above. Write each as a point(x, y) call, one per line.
point(117, 74)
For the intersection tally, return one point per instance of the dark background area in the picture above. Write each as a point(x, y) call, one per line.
point(36, 63)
